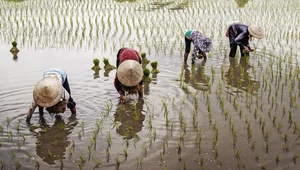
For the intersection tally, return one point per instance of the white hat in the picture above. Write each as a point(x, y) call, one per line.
point(47, 92)
point(256, 31)
point(130, 72)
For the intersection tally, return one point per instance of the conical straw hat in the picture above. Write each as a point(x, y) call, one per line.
point(256, 31)
point(130, 72)
point(47, 92)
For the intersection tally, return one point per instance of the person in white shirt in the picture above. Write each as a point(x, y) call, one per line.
point(53, 93)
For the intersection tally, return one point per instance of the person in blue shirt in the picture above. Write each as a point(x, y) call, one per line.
point(202, 44)
point(239, 34)
point(53, 93)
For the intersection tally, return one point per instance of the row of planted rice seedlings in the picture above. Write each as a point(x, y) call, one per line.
point(81, 32)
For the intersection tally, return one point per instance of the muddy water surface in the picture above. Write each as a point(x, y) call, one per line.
point(220, 114)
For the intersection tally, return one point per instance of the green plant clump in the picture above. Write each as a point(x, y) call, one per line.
point(14, 48)
point(154, 67)
point(145, 61)
point(146, 78)
point(96, 64)
point(108, 66)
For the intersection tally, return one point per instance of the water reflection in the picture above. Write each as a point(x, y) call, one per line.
point(241, 3)
point(196, 78)
point(131, 118)
point(15, 55)
point(96, 74)
point(238, 76)
point(52, 141)
point(106, 73)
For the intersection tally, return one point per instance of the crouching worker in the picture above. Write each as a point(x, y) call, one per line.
point(53, 93)
point(129, 73)
point(201, 44)
point(239, 34)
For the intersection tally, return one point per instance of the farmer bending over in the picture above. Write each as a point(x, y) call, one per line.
point(201, 44)
point(129, 73)
point(52, 92)
point(240, 34)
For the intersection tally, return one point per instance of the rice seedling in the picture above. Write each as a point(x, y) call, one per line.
point(257, 158)
point(139, 162)
point(18, 164)
point(267, 147)
point(285, 138)
point(98, 163)
point(216, 152)
point(144, 150)
point(79, 135)
point(295, 158)
point(70, 152)
point(238, 154)
point(286, 147)
point(135, 141)
point(79, 166)
point(108, 139)
point(8, 120)
point(29, 156)
point(277, 159)
point(118, 162)
point(37, 165)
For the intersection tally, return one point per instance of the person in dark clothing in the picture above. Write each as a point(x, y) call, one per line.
point(239, 34)
point(201, 44)
point(129, 73)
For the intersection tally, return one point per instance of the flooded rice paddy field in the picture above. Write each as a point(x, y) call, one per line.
point(226, 113)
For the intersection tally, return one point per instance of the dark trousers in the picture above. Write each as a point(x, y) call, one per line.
point(71, 102)
point(233, 45)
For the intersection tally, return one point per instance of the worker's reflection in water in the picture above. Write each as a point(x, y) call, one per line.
point(52, 141)
point(196, 77)
point(238, 76)
point(131, 117)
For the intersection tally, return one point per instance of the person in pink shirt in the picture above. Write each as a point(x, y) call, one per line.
point(129, 73)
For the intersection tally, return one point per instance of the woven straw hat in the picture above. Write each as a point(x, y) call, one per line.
point(47, 92)
point(256, 31)
point(130, 72)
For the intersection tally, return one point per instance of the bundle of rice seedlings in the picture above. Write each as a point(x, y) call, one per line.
point(145, 61)
point(96, 66)
point(146, 78)
point(14, 48)
point(108, 66)
point(154, 67)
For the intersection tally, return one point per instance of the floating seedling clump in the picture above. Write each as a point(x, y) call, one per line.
point(14, 48)
point(96, 66)
point(146, 78)
point(107, 65)
point(154, 67)
point(145, 61)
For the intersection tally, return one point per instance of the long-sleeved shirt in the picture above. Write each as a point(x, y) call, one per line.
point(123, 55)
point(240, 32)
point(200, 41)
point(61, 76)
